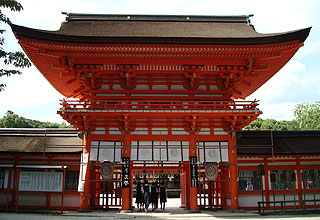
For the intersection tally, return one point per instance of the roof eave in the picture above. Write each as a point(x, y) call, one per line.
point(20, 31)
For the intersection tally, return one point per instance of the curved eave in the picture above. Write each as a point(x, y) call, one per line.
point(274, 64)
point(21, 31)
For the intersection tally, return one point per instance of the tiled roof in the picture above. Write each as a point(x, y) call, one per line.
point(86, 28)
point(40, 140)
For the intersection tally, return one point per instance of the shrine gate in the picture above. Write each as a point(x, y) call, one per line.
point(158, 94)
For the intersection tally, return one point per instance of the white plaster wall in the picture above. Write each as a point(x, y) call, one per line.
point(142, 131)
point(68, 200)
point(279, 197)
point(179, 131)
point(219, 131)
point(159, 87)
point(159, 131)
point(293, 163)
point(310, 196)
point(99, 130)
point(3, 198)
point(249, 200)
point(204, 131)
point(32, 199)
point(114, 131)
point(310, 162)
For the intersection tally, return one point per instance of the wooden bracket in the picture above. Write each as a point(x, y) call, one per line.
point(192, 74)
point(127, 73)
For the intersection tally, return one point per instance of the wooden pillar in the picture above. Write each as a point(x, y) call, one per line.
point(234, 186)
point(126, 188)
point(8, 189)
point(184, 180)
point(187, 181)
point(224, 184)
point(182, 189)
point(299, 179)
point(193, 153)
point(85, 195)
point(266, 181)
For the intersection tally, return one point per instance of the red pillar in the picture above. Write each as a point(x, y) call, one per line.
point(299, 179)
point(187, 181)
point(193, 153)
point(224, 186)
point(126, 192)
point(234, 186)
point(182, 189)
point(266, 181)
point(184, 180)
point(85, 195)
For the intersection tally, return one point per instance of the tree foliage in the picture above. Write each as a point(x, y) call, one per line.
point(307, 117)
point(16, 59)
point(272, 124)
point(12, 120)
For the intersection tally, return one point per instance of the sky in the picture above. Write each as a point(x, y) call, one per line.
point(31, 96)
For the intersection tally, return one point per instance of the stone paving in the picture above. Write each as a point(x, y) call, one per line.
point(172, 212)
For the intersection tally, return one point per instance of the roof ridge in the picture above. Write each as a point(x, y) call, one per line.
point(158, 18)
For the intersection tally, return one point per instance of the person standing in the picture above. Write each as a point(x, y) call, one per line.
point(163, 196)
point(146, 195)
point(154, 196)
point(139, 196)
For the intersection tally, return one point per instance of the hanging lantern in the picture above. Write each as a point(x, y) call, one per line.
point(261, 171)
point(273, 177)
point(283, 177)
point(293, 177)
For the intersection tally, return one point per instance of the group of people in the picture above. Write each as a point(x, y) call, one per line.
point(147, 194)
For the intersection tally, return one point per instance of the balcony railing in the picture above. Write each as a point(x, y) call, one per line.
point(158, 106)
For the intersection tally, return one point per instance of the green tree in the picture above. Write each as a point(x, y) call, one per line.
point(16, 59)
point(12, 120)
point(272, 124)
point(308, 116)
point(254, 125)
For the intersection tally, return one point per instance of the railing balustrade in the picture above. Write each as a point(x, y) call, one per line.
point(147, 105)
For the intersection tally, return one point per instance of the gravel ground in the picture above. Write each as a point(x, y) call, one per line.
point(172, 212)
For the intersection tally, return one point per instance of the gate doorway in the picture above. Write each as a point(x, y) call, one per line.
point(167, 173)
point(210, 192)
point(107, 194)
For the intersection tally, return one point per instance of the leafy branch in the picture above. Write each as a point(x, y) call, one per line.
point(16, 59)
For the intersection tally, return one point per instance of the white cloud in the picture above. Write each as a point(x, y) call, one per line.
point(28, 89)
point(312, 48)
point(282, 111)
point(281, 83)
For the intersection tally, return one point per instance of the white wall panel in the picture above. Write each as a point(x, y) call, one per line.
point(249, 200)
point(32, 199)
point(224, 152)
point(105, 151)
point(212, 155)
point(145, 151)
point(99, 131)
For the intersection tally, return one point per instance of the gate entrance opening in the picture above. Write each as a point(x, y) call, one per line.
point(175, 175)
point(158, 173)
